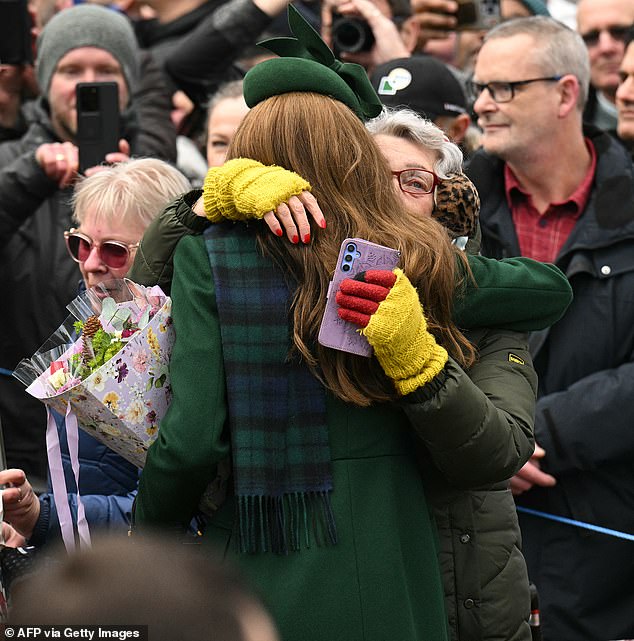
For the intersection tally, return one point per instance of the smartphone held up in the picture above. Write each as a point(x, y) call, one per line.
point(477, 15)
point(356, 255)
point(98, 127)
point(15, 33)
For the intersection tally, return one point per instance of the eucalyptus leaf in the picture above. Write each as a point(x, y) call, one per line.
point(145, 319)
point(114, 315)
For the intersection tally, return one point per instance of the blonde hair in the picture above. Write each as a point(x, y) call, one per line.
point(322, 140)
point(133, 192)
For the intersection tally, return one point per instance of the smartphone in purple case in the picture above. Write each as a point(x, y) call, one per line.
point(356, 255)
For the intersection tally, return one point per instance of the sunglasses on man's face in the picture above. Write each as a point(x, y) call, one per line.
point(113, 253)
point(617, 32)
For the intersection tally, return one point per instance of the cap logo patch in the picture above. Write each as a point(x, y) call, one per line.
point(396, 80)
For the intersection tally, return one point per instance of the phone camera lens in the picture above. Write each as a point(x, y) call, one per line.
point(351, 247)
point(347, 258)
point(345, 268)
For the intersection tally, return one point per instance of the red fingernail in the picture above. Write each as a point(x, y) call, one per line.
point(279, 232)
point(295, 239)
point(322, 224)
point(306, 239)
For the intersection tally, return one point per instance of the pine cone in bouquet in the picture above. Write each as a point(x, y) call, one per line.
point(91, 327)
point(98, 345)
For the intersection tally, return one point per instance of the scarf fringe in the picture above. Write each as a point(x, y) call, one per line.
point(280, 524)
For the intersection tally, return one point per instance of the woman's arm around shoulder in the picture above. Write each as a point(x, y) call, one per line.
point(154, 259)
point(520, 294)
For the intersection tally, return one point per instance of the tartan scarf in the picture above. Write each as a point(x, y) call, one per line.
point(277, 408)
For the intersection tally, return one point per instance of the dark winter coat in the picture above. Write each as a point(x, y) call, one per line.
point(484, 573)
point(198, 50)
point(586, 387)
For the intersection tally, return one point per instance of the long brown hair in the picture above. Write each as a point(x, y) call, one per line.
point(323, 141)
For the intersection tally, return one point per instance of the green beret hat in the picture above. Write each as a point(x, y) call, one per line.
point(307, 64)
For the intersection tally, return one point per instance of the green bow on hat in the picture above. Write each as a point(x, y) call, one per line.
point(307, 64)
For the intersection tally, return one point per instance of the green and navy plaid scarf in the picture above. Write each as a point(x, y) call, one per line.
point(277, 408)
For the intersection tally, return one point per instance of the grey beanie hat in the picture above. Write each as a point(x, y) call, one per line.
point(87, 25)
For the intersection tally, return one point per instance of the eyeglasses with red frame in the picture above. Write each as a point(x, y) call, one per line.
point(113, 253)
point(417, 181)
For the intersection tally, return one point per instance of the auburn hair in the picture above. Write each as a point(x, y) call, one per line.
point(322, 140)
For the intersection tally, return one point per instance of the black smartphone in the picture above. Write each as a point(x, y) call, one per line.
point(98, 128)
point(477, 14)
point(15, 33)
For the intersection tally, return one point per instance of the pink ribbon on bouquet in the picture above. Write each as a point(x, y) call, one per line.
point(58, 481)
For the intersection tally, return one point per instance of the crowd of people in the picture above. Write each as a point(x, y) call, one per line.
point(480, 453)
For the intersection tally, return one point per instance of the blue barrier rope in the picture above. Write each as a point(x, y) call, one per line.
point(587, 526)
point(6, 372)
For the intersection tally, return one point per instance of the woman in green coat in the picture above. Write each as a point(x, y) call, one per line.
point(330, 519)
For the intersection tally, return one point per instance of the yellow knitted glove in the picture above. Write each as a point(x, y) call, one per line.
point(242, 189)
point(397, 331)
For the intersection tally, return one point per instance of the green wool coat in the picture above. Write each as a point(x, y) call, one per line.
point(382, 580)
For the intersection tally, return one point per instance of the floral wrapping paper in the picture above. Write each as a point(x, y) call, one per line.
point(122, 402)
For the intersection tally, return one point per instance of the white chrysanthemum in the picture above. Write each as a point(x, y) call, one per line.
point(135, 412)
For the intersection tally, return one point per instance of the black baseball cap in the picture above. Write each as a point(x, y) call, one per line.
point(421, 83)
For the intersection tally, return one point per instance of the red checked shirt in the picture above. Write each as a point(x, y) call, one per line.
point(541, 236)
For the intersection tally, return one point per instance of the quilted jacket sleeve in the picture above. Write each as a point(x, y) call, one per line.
point(478, 425)
point(154, 260)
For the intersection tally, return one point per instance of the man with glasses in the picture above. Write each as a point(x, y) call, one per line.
point(555, 192)
point(603, 25)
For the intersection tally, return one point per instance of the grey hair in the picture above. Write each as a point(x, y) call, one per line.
point(406, 124)
point(559, 51)
point(134, 192)
point(231, 89)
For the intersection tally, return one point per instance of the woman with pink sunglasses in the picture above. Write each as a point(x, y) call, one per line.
point(112, 208)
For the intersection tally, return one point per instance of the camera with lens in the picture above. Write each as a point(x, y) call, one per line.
point(350, 34)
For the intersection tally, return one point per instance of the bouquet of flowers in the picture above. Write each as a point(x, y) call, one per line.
point(108, 365)
point(106, 369)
